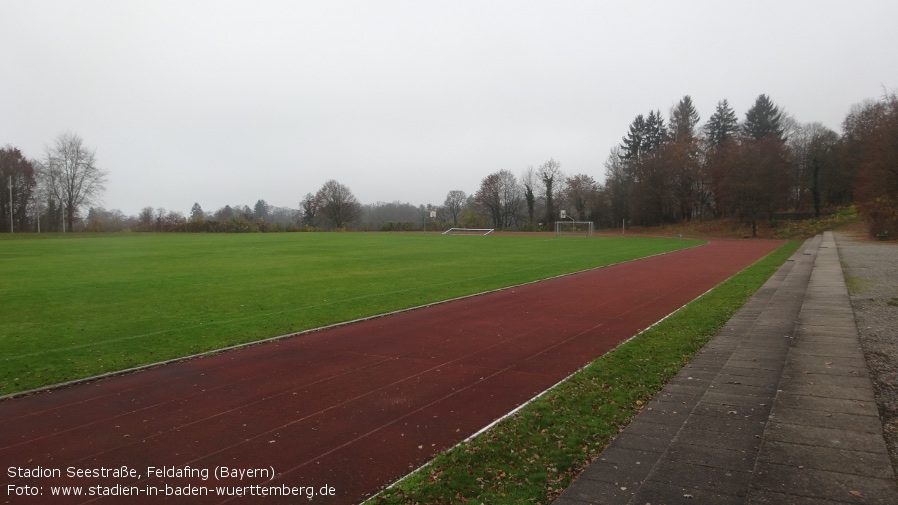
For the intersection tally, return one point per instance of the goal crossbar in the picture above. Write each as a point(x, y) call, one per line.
point(468, 231)
point(579, 228)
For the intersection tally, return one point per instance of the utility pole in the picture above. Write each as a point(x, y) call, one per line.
point(10, 204)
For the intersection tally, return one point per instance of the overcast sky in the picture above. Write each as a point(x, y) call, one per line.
point(228, 102)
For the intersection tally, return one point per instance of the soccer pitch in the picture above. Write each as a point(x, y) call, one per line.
point(75, 306)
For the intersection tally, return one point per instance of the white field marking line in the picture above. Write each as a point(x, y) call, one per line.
point(296, 334)
point(517, 409)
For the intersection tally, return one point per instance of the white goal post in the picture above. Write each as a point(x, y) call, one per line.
point(574, 228)
point(468, 231)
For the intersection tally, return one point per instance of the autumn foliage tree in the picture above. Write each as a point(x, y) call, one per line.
point(17, 177)
point(749, 171)
point(751, 179)
point(871, 143)
point(581, 192)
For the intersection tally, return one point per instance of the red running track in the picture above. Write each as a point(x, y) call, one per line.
point(353, 408)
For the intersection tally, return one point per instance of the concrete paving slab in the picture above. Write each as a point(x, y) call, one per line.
point(786, 414)
point(621, 457)
point(858, 384)
point(861, 408)
point(714, 439)
point(835, 438)
point(761, 412)
point(756, 390)
point(760, 381)
point(715, 457)
point(658, 413)
point(721, 481)
point(764, 497)
point(823, 390)
point(640, 442)
point(803, 456)
point(733, 424)
point(820, 484)
point(656, 492)
point(833, 368)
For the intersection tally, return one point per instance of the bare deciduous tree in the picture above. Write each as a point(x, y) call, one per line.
point(528, 181)
point(72, 176)
point(810, 147)
point(455, 201)
point(501, 196)
point(549, 172)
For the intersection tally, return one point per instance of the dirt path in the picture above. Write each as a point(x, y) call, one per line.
point(348, 410)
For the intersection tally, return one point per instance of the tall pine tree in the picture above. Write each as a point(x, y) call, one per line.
point(656, 133)
point(764, 119)
point(683, 120)
point(722, 125)
point(635, 142)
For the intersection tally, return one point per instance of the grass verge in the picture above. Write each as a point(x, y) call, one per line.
point(533, 455)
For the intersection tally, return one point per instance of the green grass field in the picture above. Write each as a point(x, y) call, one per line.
point(74, 305)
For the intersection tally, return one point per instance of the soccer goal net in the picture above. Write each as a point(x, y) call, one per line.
point(573, 228)
point(468, 231)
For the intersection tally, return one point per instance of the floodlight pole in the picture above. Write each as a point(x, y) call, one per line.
point(10, 205)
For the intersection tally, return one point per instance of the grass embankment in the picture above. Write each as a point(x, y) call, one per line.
point(785, 229)
point(533, 455)
point(79, 305)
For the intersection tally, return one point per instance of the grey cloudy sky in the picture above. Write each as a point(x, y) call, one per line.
point(227, 102)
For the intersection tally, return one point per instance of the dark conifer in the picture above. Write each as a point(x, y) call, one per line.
point(763, 119)
point(683, 120)
point(722, 125)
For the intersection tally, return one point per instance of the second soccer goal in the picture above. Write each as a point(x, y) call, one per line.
point(573, 228)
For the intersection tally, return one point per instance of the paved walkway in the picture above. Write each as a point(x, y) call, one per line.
point(778, 408)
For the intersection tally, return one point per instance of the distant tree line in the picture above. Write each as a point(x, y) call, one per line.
point(664, 171)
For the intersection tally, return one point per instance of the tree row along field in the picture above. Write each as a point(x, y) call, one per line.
point(664, 171)
point(89, 304)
